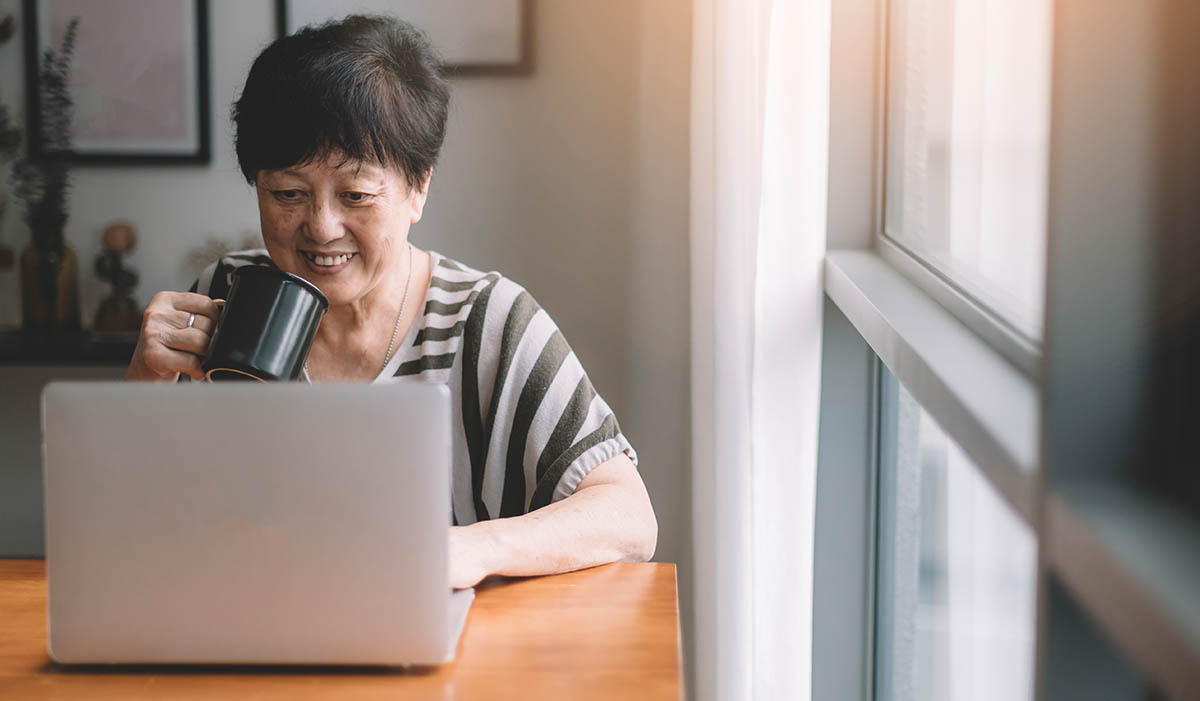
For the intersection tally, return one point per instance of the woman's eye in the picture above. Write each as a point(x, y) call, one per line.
point(288, 195)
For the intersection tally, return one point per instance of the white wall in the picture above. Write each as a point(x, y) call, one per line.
point(572, 180)
point(575, 183)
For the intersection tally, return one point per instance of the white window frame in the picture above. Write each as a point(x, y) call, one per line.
point(1002, 335)
point(1006, 339)
point(1003, 399)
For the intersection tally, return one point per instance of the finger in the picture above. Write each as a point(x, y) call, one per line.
point(164, 360)
point(193, 367)
point(195, 304)
point(193, 340)
point(199, 321)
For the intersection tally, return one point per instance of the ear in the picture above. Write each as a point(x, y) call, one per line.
point(417, 197)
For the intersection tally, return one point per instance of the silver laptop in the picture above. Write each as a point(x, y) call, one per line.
point(249, 524)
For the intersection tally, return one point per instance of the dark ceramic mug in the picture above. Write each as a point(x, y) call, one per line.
point(266, 327)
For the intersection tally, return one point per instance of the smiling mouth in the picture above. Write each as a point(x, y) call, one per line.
point(328, 261)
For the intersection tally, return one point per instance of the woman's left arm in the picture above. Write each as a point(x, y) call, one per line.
point(608, 519)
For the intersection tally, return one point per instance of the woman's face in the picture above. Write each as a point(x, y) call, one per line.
point(341, 226)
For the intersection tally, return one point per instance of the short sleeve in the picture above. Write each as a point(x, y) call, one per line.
point(534, 423)
point(216, 279)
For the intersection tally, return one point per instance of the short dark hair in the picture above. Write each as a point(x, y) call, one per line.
point(367, 87)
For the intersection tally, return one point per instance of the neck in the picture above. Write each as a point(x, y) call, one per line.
point(376, 309)
point(353, 339)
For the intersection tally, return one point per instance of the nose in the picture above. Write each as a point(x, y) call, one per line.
point(324, 225)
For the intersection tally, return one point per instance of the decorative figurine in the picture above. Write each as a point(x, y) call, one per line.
point(118, 313)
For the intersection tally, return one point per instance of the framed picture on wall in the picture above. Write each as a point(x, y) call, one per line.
point(138, 78)
point(474, 37)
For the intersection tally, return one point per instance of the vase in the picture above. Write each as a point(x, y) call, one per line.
point(50, 291)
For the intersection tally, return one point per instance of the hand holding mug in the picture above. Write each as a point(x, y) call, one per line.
point(177, 328)
point(263, 332)
point(266, 327)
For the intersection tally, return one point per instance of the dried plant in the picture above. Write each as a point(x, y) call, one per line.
point(10, 142)
point(43, 184)
point(198, 258)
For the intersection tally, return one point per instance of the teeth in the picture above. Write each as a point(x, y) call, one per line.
point(329, 260)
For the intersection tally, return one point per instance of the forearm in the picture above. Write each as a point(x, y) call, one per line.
point(597, 525)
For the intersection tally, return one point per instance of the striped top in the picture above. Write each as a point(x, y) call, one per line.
point(528, 425)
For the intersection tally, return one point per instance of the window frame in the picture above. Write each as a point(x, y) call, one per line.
point(893, 424)
point(1004, 336)
point(1006, 339)
point(1111, 616)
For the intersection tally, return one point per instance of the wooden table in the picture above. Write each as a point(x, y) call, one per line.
point(610, 632)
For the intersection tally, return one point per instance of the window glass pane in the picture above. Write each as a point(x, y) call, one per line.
point(968, 120)
point(955, 613)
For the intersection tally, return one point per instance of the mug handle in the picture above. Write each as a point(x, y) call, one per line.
point(208, 375)
point(216, 325)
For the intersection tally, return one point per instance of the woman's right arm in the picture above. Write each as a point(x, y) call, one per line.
point(167, 346)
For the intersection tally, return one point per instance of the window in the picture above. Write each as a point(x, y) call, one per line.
point(968, 118)
point(956, 569)
point(1010, 509)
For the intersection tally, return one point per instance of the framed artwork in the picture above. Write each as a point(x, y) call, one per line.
point(474, 37)
point(138, 79)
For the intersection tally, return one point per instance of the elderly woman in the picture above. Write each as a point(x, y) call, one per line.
point(338, 129)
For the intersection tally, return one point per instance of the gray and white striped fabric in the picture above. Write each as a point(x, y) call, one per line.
point(528, 423)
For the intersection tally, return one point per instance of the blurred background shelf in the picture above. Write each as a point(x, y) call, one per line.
point(86, 348)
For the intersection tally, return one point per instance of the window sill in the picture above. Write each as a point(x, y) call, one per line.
point(985, 404)
point(1014, 344)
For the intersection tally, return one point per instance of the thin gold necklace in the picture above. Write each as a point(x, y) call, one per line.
point(403, 304)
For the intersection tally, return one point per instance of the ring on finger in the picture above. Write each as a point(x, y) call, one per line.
point(191, 320)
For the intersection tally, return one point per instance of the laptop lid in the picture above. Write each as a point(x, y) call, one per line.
point(247, 523)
